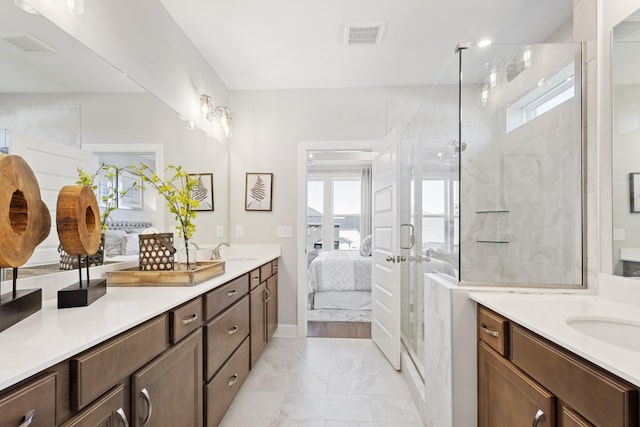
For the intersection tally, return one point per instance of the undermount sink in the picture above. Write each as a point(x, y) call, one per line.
point(619, 332)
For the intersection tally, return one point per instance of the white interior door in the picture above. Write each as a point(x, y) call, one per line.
point(385, 288)
point(54, 166)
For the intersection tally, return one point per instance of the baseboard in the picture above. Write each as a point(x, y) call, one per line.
point(286, 331)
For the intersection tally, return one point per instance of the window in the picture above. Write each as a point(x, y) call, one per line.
point(548, 94)
point(440, 214)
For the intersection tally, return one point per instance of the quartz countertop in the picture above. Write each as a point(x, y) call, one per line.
point(547, 314)
point(53, 335)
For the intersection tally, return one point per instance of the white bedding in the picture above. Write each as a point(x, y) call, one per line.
point(344, 277)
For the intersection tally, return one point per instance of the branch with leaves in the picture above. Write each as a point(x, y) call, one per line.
point(110, 198)
point(177, 191)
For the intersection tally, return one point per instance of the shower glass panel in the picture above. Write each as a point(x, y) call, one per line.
point(521, 162)
point(429, 207)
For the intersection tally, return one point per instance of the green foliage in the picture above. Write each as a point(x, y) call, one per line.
point(177, 191)
point(110, 199)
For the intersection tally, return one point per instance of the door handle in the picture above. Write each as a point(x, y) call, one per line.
point(145, 395)
point(122, 417)
point(28, 418)
point(538, 418)
point(412, 236)
point(391, 258)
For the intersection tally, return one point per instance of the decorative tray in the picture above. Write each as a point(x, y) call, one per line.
point(134, 277)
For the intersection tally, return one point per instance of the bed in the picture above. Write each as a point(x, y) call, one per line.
point(340, 280)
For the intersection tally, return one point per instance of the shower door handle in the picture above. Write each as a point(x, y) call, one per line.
point(412, 236)
point(396, 258)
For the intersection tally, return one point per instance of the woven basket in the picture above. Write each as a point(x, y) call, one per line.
point(70, 262)
point(156, 252)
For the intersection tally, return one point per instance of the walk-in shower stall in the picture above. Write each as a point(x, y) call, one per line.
point(492, 184)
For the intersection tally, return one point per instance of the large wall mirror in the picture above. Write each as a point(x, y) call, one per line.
point(57, 95)
point(625, 72)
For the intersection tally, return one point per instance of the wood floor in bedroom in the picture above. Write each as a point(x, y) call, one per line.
point(328, 329)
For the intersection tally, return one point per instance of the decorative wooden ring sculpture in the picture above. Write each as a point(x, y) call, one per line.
point(78, 220)
point(24, 218)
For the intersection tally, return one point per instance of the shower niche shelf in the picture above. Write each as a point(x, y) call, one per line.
point(487, 212)
point(493, 241)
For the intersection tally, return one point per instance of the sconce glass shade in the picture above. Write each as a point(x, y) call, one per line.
point(72, 6)
point(206, 106)
point(225, 120)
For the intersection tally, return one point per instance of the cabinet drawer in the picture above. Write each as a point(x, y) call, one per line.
point(265, 271)
point(37, 399)
point(185, 319)
point(569, 418)
point(219, 393)
point(599, 397)
point(224, 333)
point(494, 330)
point(109, 410)
point(221, 298)
point(254, 279)
point(100, 368)
point(274, 266)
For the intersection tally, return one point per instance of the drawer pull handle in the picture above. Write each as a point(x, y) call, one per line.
point(122, 417)
point(232, 293)
point(28, 418)
point(489, 331)
point(233, 330)
point(232, 380)
point(145, 395)
point(255, 278)
point(538, 418)
point(191, 319)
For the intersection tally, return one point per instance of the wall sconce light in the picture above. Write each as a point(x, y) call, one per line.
point(72, 6)
point(206, 106)
point(225, 119)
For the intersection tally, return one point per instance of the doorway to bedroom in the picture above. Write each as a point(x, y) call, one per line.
point(338, 229)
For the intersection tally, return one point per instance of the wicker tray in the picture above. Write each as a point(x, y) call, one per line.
point(134, 277)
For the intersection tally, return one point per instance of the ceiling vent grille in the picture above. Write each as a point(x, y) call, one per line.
point(363, 33)
point(26, 42)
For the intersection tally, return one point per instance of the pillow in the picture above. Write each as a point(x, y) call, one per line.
point(131, 244)
point(365, 246)
point(113, 242)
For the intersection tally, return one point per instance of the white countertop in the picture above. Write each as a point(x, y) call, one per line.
point(51, 335)
point(546, 314)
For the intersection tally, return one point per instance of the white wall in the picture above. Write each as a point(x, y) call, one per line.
point(268, 126)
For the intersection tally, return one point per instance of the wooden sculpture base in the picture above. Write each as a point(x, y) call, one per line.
point(81, 294)
point(15, 307)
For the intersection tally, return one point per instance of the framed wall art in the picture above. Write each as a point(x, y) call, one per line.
point(634, 192)
point(203, 191)
point(258, 191)
point(132, 184)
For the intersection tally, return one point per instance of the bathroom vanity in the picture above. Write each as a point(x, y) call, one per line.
point(553, 360)
point(161, 356)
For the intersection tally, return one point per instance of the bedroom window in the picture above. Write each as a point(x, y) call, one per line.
point(440, 215)
point(333, 212)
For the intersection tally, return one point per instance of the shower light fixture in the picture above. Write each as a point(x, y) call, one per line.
point(483, 43)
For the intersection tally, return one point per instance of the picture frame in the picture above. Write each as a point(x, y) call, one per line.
point(258, 191)
point(134, 197)
point(203, 191)
point(634, 192)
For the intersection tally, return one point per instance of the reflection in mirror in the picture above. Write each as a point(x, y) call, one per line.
point(58, 103)
point(625, 73)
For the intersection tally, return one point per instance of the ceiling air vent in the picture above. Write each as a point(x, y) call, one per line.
point(363, 33)
point(26, 42)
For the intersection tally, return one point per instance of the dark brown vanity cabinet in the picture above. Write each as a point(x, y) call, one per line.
point(181, 368)
point(525, 380)
point(264, 306)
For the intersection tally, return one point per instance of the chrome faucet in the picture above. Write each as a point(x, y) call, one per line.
point(216, 252)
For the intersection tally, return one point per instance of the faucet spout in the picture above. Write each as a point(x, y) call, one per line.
point(216, 252)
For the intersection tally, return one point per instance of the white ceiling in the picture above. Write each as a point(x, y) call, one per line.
point(286, 44)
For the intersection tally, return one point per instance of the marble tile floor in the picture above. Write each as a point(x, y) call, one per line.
point(322, 382)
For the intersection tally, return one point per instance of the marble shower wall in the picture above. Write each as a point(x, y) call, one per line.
point(521, 190)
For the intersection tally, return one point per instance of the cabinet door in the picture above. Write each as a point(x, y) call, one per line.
point(507, 397)
point(258, 321)
point(272, 305)
point(167, 392)
point(108, 411)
